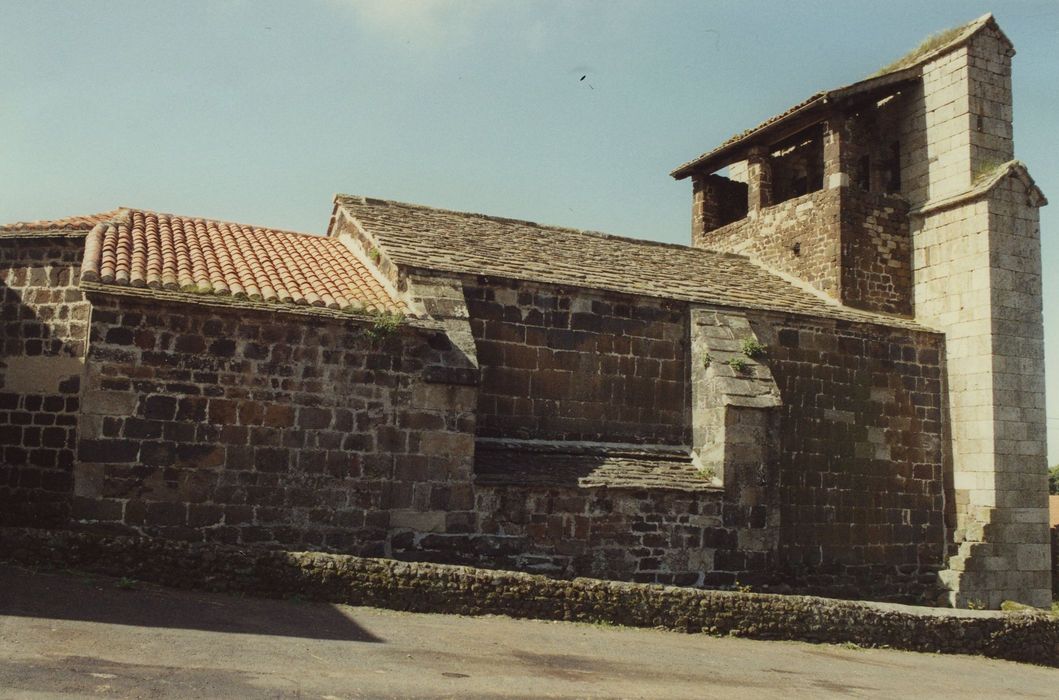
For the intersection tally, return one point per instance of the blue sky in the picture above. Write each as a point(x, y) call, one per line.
point(259, 111)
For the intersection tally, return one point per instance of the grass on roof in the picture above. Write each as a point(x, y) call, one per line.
point(932, 42)
point(985, 168)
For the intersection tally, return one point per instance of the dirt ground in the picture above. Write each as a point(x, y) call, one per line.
point(79, 636)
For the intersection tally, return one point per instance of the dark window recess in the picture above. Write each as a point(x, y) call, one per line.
point(862, 173)
point(799, 180)
point(734, 203)
point(816, 177)
point(798, 165)
point(893, 169)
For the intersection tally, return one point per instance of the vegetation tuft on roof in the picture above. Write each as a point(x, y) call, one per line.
point(932, 42)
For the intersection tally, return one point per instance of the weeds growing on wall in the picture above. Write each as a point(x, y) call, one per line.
point(738, 364)
point(752, 348)
point(383, 325)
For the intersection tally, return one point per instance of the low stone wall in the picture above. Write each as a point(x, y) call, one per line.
point(1024, 636)
point(686, 538)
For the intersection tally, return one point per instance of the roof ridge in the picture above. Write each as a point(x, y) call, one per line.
point(369, 201)
point(74, 222)
point(221, 221)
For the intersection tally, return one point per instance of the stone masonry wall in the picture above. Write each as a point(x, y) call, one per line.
point(579, 365)
point(42, 347)
point(989, 103)
point(250, 427)
point(853, 245)
point(978, 277)
point(977, 272)
point(651, 536)
point(1020, 422)
point(716, 201)
point(952, 291)
point(935, 139)
point(958, 124)
point(860, 473)
point(810, 222)
point(254, 427)
point(877, 253)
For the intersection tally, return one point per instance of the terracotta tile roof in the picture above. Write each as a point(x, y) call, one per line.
point(413, 236)
point(162, 251)
point(70, 223)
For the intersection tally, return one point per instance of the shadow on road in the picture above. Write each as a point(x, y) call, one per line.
point(26, 593)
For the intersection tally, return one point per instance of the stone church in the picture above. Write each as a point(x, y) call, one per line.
point(837, 388)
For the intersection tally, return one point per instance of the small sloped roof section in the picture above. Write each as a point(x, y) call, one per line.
point(985, 183)
point(423, 238)
point(153, 251)
point(534, 463)
point(73, 224)
point(904, 70)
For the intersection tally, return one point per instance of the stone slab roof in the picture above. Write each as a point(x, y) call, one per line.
point(584, 465)
point(423, 238)
point(149, 250)
point(81, 224)
point(905, 69)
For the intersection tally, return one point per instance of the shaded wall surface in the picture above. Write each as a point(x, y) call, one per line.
point(42, 347)
point(574, 364)
point(860, 471)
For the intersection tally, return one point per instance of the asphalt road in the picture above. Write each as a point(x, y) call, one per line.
point(79, 636)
